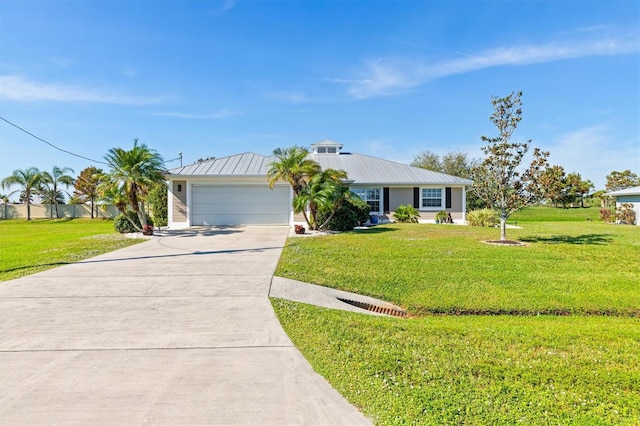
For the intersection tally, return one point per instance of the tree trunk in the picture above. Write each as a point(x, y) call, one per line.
point(503, 229)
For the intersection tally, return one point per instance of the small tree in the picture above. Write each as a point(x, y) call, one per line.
point(577, 187)
point(86, 186)
point(53, 181)
point(554, 184)
point(498, 181)
point(29, 181)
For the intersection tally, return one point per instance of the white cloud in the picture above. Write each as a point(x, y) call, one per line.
point(199, 116)
point(594, 153)
point(392, 75)
point(18, 88)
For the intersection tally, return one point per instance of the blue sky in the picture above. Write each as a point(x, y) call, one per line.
point(388, 79)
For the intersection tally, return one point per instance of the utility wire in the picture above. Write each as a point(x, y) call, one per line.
point(50, 144)
point(69, 152)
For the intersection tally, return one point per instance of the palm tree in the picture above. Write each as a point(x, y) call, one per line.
point(323, 192)
point(29, 182)
point(114, 195)
point(134, 172)
point(292, 165)
point(53, 181)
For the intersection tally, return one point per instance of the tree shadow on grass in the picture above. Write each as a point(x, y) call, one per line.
point(586, 239)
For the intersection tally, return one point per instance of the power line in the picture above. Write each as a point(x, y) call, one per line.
point(50, 144)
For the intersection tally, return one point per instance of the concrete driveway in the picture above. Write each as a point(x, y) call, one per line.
point(176, 330)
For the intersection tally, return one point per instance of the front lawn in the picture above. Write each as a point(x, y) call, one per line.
point(33, 246)
point(512, 364)
point(565, 268)
point(475, 370)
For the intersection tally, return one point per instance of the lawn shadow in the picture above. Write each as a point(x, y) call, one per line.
point(586, 239)
point(374, 230)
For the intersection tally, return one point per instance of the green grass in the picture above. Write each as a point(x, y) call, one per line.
point(475, 369)
point(33, 246)
point(551, 214)
point(565, 268)
point(499, 363)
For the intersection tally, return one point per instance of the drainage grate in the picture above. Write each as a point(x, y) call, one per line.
point(375, 308)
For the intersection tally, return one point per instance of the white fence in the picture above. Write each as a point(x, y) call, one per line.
point(48, 211)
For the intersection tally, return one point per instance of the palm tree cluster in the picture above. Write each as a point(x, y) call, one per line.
point(32, 182)
point(134, 173)
point(315, 191)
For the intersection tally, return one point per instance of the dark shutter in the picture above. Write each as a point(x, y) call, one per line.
point(447, 197)
point(385, 196)
point(416, 198)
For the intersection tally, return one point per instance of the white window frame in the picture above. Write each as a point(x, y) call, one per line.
point(423, 198)
point(363, 192)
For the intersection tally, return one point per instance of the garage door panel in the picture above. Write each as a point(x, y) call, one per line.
point(240, 205)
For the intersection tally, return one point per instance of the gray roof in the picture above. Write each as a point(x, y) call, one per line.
point(247, 164)
point(634, 190)
point(361, 169)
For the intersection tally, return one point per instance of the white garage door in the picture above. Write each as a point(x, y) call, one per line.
point(240, 205)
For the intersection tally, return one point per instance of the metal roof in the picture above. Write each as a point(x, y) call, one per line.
point(361, 169)
point(246, 164)
point(634, 190)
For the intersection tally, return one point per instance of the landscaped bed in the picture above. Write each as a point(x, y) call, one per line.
point(511, 365)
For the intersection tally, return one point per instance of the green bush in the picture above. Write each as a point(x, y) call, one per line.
point(406, 214)
point(351, 213)
point(158, 199)
point(122, 225)
point(483, 217)
point(443, 217)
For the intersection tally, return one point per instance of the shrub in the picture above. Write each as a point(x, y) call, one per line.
point(360, 208)
point(122, 225)
point(443, 217)
point(351, 213)
point(483, 217)
point(158, 198)
point(406, 214)
point(606, 215)
point(625, 214)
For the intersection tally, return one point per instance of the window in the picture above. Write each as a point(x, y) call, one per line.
point(431, 198)
point(371, 196)
point(327, 150)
